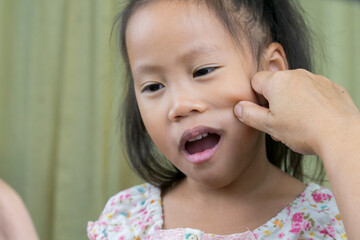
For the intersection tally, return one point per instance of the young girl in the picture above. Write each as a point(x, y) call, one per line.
point(210, 176)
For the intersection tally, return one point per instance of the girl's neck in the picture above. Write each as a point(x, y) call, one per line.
point(247, 185)
point(254, 180)
point(192, 205)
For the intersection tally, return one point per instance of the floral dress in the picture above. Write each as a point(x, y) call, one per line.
point(136, 213)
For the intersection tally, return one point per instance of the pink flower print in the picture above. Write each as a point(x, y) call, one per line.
point(297, 217)
point(321, 197)
point(118, 229)
point(299, 223)
point(306, 225)
point(300, 226)
point(328, 231)
point(296, 228)
point(121, 197)
point(124, 197)
point(149, 219)
point(142, 225)
point(281, 235)
point(288, 210)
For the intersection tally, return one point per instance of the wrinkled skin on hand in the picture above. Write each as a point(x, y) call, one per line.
point(304, 108)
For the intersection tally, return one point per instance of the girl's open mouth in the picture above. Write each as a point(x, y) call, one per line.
point(200, 144)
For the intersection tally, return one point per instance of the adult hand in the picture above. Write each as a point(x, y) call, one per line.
point(311, 114)
point(304, 109)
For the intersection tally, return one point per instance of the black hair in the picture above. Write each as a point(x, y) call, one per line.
point(280, 20)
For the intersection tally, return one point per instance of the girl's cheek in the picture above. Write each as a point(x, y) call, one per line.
point(229, 95)
point(153, 114)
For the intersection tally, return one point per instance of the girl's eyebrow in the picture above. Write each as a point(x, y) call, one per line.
point(145, 68)
point(184, 57)
point(196, 50)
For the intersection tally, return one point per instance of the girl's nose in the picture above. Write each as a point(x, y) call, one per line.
point(184, 106)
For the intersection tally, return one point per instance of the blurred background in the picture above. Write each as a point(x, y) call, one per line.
point(60, 82)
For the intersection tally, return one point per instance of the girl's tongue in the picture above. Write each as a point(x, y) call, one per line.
point(202, 144)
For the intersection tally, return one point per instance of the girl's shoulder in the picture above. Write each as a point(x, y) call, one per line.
point(130, 214)
point(313, 215)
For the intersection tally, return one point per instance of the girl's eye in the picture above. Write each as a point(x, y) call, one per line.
point(203, 71)
point(152, 87)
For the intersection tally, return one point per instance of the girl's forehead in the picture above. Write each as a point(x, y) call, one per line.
point(173, 10)
point(179, 18)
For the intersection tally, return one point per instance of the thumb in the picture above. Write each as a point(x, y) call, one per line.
point(254, 115)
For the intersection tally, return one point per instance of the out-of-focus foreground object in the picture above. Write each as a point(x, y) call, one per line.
point(15, 221)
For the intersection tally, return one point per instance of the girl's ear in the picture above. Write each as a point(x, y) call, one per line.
point(275, 58)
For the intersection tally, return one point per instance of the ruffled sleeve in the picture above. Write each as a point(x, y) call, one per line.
point(131, 214)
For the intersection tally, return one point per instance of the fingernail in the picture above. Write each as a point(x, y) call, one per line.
point(237, 110)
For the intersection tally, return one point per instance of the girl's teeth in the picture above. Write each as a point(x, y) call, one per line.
point(195, 138)
point(198, 137)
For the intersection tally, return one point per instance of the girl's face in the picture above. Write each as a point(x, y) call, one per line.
point(188, 75)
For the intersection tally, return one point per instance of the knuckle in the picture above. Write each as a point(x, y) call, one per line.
point(340, 88)
point(321, 78)
point(304, 74)
point(302, 71)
